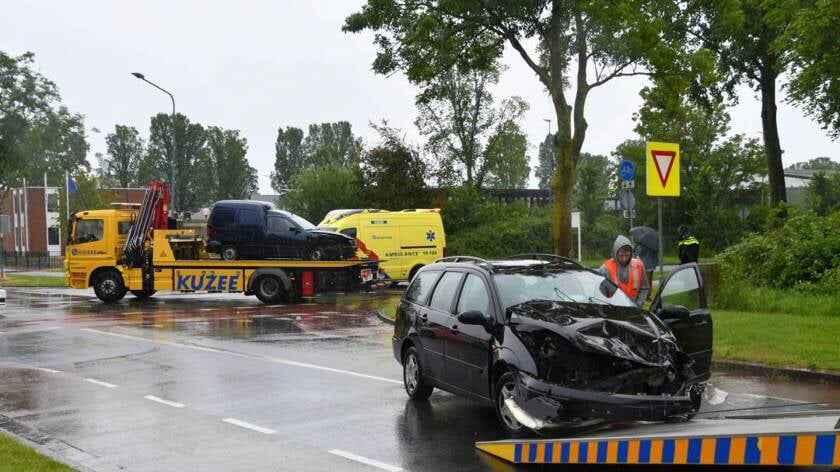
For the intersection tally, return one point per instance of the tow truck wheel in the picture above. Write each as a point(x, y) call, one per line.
point(109, 287)
point(230, 252)
point(143, 294)
point(505, 387)
point(269, 290)
point(415, 387)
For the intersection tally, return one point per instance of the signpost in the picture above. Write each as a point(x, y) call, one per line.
point(576, 224)
point(627, 199)
point(662, 165)
point(5, 226)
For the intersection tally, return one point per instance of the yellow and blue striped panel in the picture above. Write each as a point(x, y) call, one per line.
point(807, 449)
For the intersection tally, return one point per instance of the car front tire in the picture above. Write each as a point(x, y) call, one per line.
point(505, 386)
point(415, 386)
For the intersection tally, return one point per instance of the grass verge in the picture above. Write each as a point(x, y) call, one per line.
point(14, 456)
point(17, 280)
point(778, 339)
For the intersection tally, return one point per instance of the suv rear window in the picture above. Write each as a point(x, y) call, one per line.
point(420, 288)
point(222, 218)
point(445, 291)
point(248, 218)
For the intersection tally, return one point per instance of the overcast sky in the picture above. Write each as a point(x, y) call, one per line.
point(258, 65)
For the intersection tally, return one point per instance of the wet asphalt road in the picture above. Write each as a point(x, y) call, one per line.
point(221, 382)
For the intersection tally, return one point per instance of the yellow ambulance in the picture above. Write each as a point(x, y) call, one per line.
point(403, 241)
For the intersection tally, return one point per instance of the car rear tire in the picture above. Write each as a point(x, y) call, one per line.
point(269, 289)
point(505, 386)
point(316, 254)
point(109, 287)
point(230, 252)
point(415, 386)
point(143, 294)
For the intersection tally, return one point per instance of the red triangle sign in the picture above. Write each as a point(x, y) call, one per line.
point(663, 162)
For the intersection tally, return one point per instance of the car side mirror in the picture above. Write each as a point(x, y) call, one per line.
point(475, 317)
point(674, 312)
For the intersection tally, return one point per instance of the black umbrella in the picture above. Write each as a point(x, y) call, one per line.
point(646, 236)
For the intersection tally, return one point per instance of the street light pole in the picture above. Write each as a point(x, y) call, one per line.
point(172, 163)
point(547, 120)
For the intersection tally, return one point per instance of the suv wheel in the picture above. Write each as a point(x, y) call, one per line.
point(415, 386)
point(316, 254)
point(109, 287)
point(230, 252)
point(269, 290)
point(505, 387)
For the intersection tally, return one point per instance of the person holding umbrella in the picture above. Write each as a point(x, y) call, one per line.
point(626, 271)
point(647, 250)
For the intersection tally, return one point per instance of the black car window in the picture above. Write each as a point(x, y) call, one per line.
point(248, 218)
point(280, 225)
point(420, 288)
point(445, 291)
point(222, 218)
point(474, 296)
point(349, 232)
point(682, 289)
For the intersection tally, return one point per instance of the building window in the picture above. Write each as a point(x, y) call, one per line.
point(52, 202)
point(52, 236)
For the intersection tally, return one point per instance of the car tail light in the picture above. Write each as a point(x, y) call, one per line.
point(307, 284)
point(207, 232)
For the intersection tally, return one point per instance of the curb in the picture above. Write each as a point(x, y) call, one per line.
point(793, 373)
point(383, 317)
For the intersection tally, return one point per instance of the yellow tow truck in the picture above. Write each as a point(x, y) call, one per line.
point(131, 249)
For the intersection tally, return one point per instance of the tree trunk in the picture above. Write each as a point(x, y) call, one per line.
point(563, 182)
point(772, 148)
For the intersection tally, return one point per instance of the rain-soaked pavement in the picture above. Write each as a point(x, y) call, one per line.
point(223, 382)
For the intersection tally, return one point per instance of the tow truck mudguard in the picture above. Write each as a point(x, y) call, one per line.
point(279, 273)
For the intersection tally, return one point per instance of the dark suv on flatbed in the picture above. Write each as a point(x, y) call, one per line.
point(552, 344)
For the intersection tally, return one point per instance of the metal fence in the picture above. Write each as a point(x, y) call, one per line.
point(33, 260)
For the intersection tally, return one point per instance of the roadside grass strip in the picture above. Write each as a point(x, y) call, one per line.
point(100, 383)
point(165, 402)
point(365, 460)
point(246, 425)
point(249, 356)
point(16, 456)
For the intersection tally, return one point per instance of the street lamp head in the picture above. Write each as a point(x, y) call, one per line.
point(138, 75)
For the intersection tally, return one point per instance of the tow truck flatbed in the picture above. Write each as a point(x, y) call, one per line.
point(797, 440)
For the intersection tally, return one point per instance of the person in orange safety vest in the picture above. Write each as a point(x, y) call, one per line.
point(627, 271)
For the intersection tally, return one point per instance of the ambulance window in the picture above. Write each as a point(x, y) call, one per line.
point(349, 232)
point(88, 231)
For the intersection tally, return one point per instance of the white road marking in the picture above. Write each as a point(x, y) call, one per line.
point(249, 356)
point(53, 327)
point(44, 369)
point(99, 382)
point(250, 426)
point(365, 460)
point(165, 402)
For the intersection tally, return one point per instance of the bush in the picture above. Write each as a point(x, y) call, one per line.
point(801, 250)
point(500, 238)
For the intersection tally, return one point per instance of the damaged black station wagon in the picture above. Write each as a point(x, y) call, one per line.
point(551, 344)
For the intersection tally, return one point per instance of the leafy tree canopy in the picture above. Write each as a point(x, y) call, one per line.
point(394, 173)
point(125, 154)
point(317, 191)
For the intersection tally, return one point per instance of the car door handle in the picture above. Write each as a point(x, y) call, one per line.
point(453, 328)
point(424, 318)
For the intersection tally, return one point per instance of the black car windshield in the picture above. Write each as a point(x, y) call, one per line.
point(564, 286)
point(302, 222)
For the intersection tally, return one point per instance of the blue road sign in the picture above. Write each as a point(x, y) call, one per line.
point(626, 170)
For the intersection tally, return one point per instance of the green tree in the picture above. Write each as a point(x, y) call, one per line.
point(26, 100)
point(818, 163)
point(547, 162)
point(594, 175)
point(748, 39)
point(57, 145)
point(394, 173)
point(317, 191)
point(331, 144)
point(505, 158)
point(457, 114)
point(289, 158)
point(429, 39)
point(125, 153)
point(823, 194)
point(223, 172)
point(815, 62)
point(189, 138)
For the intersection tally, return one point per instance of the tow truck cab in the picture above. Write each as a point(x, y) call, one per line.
point(95, 242)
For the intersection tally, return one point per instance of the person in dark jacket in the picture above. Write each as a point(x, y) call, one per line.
point(689, 246)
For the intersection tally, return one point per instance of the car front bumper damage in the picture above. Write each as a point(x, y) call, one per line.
point(542, 405)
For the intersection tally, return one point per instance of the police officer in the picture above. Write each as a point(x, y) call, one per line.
point(689, 246)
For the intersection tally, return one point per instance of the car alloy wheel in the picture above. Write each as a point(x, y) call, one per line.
point(415, 386)
point(505, 388)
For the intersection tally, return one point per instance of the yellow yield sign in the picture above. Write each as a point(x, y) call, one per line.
point(662, 166)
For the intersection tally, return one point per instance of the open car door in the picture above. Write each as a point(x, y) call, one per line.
point(681, 304)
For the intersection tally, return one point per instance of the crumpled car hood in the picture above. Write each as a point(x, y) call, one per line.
point(624, 332)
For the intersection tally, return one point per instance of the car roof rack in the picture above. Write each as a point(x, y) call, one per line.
point(544, 257)
point(473, 259)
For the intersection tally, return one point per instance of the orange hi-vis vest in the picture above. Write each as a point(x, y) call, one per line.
point(631, 287)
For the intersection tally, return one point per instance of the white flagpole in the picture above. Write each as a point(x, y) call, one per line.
point(67, 193)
